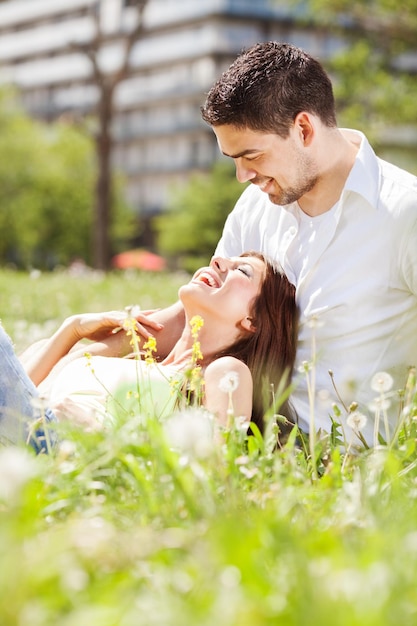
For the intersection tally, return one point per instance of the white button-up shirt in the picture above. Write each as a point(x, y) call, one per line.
point(357, 288)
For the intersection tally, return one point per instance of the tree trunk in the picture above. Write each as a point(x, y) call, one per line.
point(103, 196)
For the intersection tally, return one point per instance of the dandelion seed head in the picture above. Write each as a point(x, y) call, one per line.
point(315, 322)
point(132, 310)
point(242, 423)
point(17, 467)
point(229, 382)
point(379, 404)
point(74, 578)
point(356, 420)
point(249, 472)
point(382, 382)
point(66, 449)
point(230, 577)
point(324, 399)
point(191, 432)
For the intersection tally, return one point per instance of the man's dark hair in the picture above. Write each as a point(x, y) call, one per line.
point(267, 86)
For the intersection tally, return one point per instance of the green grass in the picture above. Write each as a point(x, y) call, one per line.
point(32, 306)
point(118, 529)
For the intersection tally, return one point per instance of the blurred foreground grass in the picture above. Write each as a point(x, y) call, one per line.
point(122, 528)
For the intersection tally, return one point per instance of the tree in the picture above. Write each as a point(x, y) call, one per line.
point(47, 176)
point(106, 82)
point(193, 222)
point(374, 73)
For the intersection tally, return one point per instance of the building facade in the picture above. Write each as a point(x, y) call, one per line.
point(160, 139)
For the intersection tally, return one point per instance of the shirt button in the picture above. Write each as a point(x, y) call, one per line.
point(292, 231)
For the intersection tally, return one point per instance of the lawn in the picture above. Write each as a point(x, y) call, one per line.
point(122, 528)
point(33, 305)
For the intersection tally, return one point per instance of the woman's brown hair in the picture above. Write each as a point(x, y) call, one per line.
point(269, 350)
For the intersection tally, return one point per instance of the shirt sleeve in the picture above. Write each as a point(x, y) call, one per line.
point(409, 255)
point(238, 230)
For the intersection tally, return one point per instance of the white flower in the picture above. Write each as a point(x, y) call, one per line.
point(66, 449)
point(229, 383)
point(17, 467)
point(249, 472)
point(314, 322)
point(191, 431)
point(379, 404)
point(304, 367)
point(133, 310)
point(381, 382)
point(356, 420)
point(242, 423)
point(40, 403)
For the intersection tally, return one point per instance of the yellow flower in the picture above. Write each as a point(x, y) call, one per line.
point(149, 347)
point(196, 324)
point(130, 325)
point(195, 376)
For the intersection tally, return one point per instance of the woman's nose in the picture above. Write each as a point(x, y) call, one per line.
point(220, 264)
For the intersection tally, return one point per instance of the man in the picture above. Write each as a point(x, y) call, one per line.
point(342, 223)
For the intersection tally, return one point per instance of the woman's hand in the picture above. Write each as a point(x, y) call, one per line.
point(102, 329)
point(100, 326)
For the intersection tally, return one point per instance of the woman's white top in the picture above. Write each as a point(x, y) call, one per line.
point(103, 387)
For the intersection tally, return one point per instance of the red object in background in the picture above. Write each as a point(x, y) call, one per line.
point(139, 259)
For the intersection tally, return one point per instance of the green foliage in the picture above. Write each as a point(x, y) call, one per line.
point(127, 526)
point(47, 175)
point(121, 527)
point(193, 223)
point(375, 84)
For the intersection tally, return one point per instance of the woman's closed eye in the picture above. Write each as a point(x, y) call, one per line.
point(245, 269)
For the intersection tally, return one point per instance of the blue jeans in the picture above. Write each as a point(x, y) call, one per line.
point(20, 417)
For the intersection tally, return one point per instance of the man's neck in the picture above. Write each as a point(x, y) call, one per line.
point(326, 193)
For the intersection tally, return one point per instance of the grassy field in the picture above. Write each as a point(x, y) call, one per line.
point(32, 306)
point(121, 528)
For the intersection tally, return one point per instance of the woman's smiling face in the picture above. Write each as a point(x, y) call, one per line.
point(226, 288)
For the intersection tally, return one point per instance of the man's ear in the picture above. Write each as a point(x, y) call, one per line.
point(247, 324)
point(305, 126)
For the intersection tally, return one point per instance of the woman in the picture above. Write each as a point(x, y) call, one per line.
point(242, 335)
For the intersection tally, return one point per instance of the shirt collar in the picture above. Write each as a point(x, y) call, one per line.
point(363, 178)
